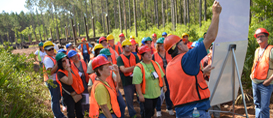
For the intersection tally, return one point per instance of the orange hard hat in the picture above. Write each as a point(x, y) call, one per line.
point(260, 30)
point(144, 49)
point(83, 39)
point(99, 61)
point(133, 42)
point(170, 41)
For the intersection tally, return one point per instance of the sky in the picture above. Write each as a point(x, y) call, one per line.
point(12, 5)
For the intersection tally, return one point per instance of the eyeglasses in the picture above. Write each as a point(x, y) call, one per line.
point(262, 36)
point(50, 49)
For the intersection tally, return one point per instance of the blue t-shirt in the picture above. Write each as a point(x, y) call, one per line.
point(84, 47)
point(135, 53)
point(191, 65)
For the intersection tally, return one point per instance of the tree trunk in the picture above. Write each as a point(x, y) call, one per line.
point(163, 13)
point(103, 17)
point(125, 22)
point(185, 12)
point(175, 11)
point(129, 15)
point(135, 18)
point(107, 11)
point(173, 14)
point(194, 11)
point(188, 11)
point(205, 10)
point(115, 11)
point(157, 19)
point(181, 12)
point(167, 14)
point(200, 13)
point(250, 12)
point(145, 14)
point(92, 11)
point(120, 23)
point(86, 11)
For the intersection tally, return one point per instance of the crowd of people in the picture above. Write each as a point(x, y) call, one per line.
point(169, 68)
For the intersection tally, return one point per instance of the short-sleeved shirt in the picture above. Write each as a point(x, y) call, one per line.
point(89, 68)
point(152, 89)
point(42, 54)
point(126, 80)
point(50, 64)
point(90, 83)
point(191, 65)
point(85, 48)
point(56, 47)
point(102, 95)
point(68, 88)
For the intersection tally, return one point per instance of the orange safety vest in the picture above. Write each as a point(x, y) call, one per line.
point(261, 64)
point(190, 88)
point(116, 49)
point(94, 110)
point(157, 70)
point(139, 56)
point(77, 84)
point(87, 46)
point(128, 63)
point(159, 60)
point(113, 55)
point(44, 69)
point(119, 45)
point(84, 69)
point(109, 80)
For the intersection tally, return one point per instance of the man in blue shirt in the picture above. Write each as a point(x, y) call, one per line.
point(85, 49)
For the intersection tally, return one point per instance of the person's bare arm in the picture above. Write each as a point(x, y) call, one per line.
point(53, 70)
point(89, 89)
point(106, 111)
point(139, 92)
point(126, 70)
point(213, 29)
point(36, 58)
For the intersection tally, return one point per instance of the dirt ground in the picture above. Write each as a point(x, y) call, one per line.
point(224, 107)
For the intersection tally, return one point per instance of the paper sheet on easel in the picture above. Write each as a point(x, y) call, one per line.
point(233, 29)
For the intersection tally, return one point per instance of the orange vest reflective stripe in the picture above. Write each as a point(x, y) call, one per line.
point(77, 84)
point(128, 63)
point(185, 88)
point(44, 69)
point(113, 55)
point(84, 69)
point(159, 60)
point(119, 45)
point(157, 70)
point(87, 47)
point(94, 110)
point(109, 79)
point(260, 66)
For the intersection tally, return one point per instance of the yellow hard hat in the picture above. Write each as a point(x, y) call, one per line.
point(48, 43)
point(185, 34)
point(110, 37)
point(126, 42)
point(132, 37)
point(169, 34)
point(136, 42)
point(98, 46)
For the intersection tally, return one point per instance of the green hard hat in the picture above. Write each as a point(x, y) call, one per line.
point(60, 55)
point(160, 40)
point(105, 51)
point(98, 41)
point(148, 39)
point(41, 44)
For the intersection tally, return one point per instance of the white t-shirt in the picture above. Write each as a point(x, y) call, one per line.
point(42, 54)
point(49, 64)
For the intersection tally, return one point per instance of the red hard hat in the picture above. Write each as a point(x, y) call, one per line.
point(83, 39)
point(121, 35)
point(99, 61)
point(170, 41)
point(260, 30)
point(102, 39)
point(144, 49)
point(133, 42)
point(154, 35)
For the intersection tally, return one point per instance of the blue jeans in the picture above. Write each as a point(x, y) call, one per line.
point(169, 103)
point(54, 90)
point(129, 91)
point(261, 98)
point(203, 114)
point(122, 104)
point(103, 116)
point(86, 56)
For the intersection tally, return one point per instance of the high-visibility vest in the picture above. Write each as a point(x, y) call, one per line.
point(157, 70)
point(87, 46)
point(260, 66)
point(39, 57)
point(94, 110)
point(84, 69)
point(44, 69)
point(185, 88)
point(77, 84)
point(113, 55)
point(109, 80)
point(119, 45)
point(139, 56)
point(116, 48)
point(128, 63)
point(159, 60)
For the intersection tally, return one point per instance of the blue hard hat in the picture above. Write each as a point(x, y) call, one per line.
point(67, 45)
point(195, 44)
point(143, 40)
point(62, 50)
point(71, 53)
point(104, 56)
point(164, 33)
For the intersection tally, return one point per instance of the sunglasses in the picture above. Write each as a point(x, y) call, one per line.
point(50, 49)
